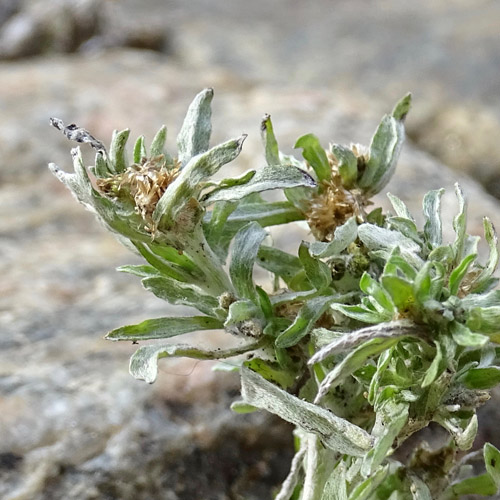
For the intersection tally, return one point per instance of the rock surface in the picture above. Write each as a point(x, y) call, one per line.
point(73, 423)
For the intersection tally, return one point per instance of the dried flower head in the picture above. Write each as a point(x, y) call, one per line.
point(334, 203)
point(144, 183)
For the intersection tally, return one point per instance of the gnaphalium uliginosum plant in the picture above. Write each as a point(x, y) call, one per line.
point(370, 333)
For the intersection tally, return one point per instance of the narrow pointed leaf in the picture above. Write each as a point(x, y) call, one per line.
point(158, 144)
point(270, 144)
point(318, 273)
point(351, 340)
point(373, 288)
point(266, 179)
point(343, 236)
point(163, 328)
point(459, 225)
point(347, 164)
point(335, 433)
point(491, 237)
point(194, 136)
point(188, 183)
point(245, 250)
point(435, 368)
point(353, 361)
point(278, 262)
point(102, 169)
point(385, 148)
point(144, 362)
point(117, 152)
point(399, 207)
point(310, 312)
point(459, 273)
point(175, 292)
point(315, 155)
point(432, 214)
point(139, 150)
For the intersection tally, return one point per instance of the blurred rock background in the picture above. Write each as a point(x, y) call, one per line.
point(73, 423)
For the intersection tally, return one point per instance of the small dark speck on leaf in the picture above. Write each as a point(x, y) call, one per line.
point(493, 462)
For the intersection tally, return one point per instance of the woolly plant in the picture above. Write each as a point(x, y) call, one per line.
point(371, 331)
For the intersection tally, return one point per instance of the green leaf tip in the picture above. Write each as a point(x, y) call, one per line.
point(402, 107)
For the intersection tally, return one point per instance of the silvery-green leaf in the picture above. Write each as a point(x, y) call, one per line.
point(361, 313)
point(336, 485)
point(458, 274)
point(194, 136)
point(492, 462)
point(335, 433)
point(188, 183)
point(158, 144)
point(266, 214)
point(117, 152)
point(396, 265)
point(481, 300)
point(435, 367)
point(269, 140)
point(164, 328)
point(482, 378)
point(400, 208)
point(268, 178)
point(347, 164)
point(215, 228)
point(175, 292)
point(351, 340)
point(400, 291)
point(402, 107)
point(379, 238)
point(144, 362)
point(315, 155)
point(102, 169)
point(385, 148)
point(353, 361)
point(432, 215)
point(175, 270)
point(283, 298)
point(459, 225)
point(390, 419)
point(139, 150)
point(372, 287)
point(490, 234)
point(464, 337)
point(294, 476)
point(343, 236)
point(125, 223)
point(142, 271)
point(272, 371)
point(406, 227)
point(244, 253)
point(278, 262)
point(305, 320)
point(318, 273)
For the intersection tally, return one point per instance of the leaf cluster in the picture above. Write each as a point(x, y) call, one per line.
point(365, 336)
